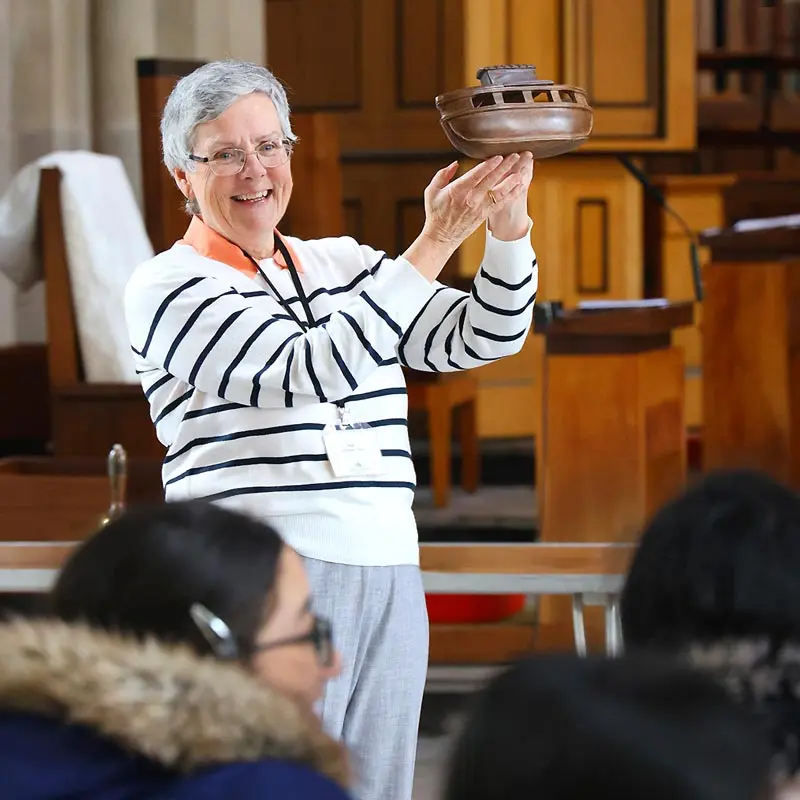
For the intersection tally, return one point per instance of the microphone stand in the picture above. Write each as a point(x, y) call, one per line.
point(655, 192)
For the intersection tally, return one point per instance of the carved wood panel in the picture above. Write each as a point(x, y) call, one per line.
point(377, 64)
point(619, 59)
point(315, 48)
point(588, 233)
point(384, 203)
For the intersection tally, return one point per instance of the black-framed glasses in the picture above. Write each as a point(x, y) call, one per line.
point(231, 160)
point(221, 639)
point(320, 636)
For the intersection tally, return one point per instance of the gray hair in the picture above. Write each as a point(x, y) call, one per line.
point(204, 95)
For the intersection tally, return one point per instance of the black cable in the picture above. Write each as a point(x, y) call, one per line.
point(655, 192)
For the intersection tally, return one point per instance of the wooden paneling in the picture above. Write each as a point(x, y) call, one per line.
point(480, 643)
point(535, 35)
point(751, 372)
point(385, 202)
point(315, 48)
point(588, 233)
point(317, 210)
point(509, 393)
point(587, 211)
point(636, 59)
point(619, 59)
point(354, 218)
point(89, 418)
point(165, 218)
point(613, 448)
point(592, 233)
point(25, 404)
point(700, 202)
point(420, 56)
point(376, 65)
point(409, 219)
point(77, 494)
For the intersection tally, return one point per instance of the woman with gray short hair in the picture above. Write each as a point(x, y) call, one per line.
point(274, 371)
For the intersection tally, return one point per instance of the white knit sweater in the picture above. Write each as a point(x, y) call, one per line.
point(240, 393)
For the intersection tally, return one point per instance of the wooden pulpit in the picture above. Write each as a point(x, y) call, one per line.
point(751, 364)
point(613, 428)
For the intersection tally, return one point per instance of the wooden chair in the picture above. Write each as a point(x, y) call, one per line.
point(438, 396)
point(87, 418)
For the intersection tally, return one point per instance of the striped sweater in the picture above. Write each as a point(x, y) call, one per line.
point(240, 393)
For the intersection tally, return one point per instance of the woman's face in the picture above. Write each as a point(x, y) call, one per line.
point(226, 201)
point(293, 667)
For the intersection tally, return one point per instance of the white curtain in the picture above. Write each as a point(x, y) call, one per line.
point(68, 81)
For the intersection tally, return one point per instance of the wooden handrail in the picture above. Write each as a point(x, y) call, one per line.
point(513, 559)
point(523, 559)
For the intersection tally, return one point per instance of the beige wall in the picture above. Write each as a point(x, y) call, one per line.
point(68, 81)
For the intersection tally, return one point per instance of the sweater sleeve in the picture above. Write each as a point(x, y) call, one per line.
point(203, 332)
point(458, 330)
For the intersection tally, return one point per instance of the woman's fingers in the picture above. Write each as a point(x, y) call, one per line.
point(502, 191)
point(508, 165)
point(474, 185)
point(456, 206)
point(443, 176)
point(484, 176)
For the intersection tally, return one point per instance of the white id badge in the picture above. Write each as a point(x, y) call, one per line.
point(353, 449)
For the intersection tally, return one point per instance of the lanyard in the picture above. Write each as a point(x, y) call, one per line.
point(298, 286)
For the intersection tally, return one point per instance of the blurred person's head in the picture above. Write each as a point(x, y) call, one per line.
point(720, 560)
point(715, 582)
point(199, 575)
point(566, 728)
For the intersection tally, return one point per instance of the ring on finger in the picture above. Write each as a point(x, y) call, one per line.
point(492, 197)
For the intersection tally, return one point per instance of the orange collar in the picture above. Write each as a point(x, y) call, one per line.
point(214, 245)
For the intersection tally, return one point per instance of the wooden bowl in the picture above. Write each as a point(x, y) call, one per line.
point(512, 111)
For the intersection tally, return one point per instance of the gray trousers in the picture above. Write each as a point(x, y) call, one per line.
point(380, 627)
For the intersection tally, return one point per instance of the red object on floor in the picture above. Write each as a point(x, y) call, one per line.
point(455, 609)
point(694, 449)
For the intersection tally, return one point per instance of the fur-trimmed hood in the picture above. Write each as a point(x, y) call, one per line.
point(160, 702)
point(766, 678)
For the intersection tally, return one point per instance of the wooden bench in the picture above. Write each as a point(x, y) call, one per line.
point(588, 573)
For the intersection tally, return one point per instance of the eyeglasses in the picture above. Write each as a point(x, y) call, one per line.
point(220, 637)
point(231, 160)
point(320, 636)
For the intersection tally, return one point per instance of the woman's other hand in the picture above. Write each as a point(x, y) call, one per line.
point(456, 208)
point(510, 220)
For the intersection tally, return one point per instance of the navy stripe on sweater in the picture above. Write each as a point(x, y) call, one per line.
point(513, 287)
point(503, 312)
point(298, 458)
point(165, 304)
point(308, 487)
point(276, 429)
point(189, 324)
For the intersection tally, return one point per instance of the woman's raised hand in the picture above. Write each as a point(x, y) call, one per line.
point(455, 208)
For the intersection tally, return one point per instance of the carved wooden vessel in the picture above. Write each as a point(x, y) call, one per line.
point(513, 111)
